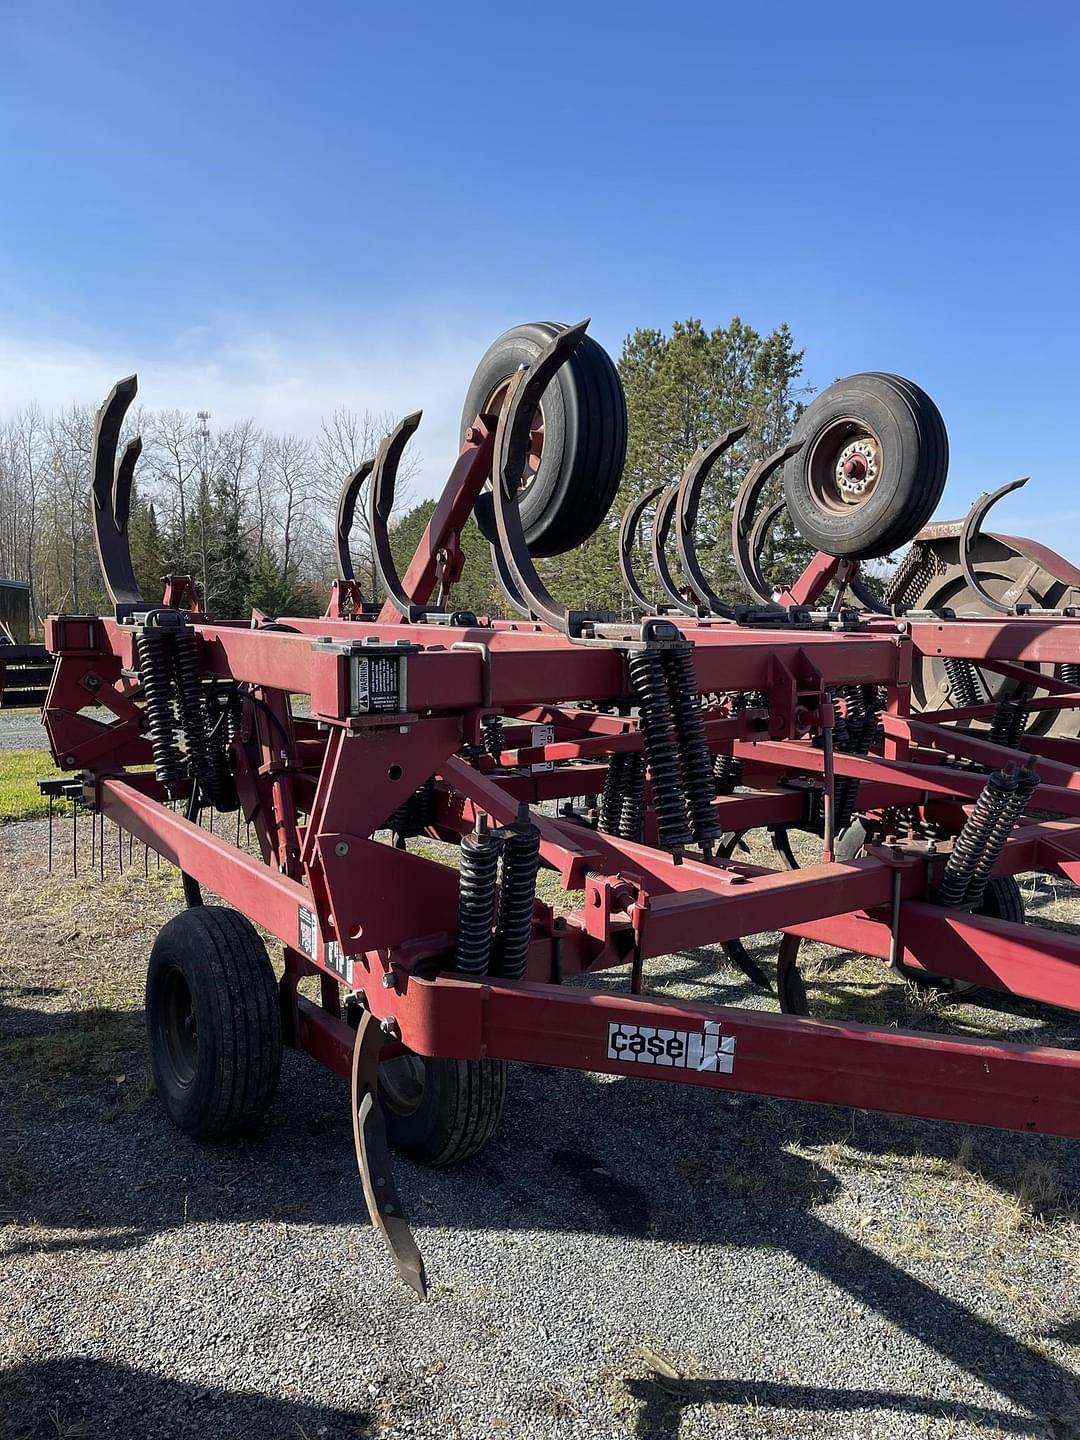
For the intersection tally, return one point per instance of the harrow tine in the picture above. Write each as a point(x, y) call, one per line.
point(971, 532)
point(661, 529)
point(511, 455)
point(686, 514)
point(742, 522)
point(380, 503)
point(628, 530)
point(110, 491)
point(346, 511)
point(373, 1156)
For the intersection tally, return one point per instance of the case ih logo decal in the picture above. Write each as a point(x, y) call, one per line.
point(680, 1049)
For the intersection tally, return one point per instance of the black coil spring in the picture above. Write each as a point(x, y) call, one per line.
point(1009, 811)
point(491, 728)
point(862, 724)
point(693, 751)
point(632, 815)
point(517, 891)
point(477, 875)
point(415, 813)
point(727, 773)
point(192, 705)
point(156, 678)
point(1069, 673)
point(963, 678)
point(649, 680)
point(973, 841)
point(1011, 718)
point(613, 793)
point(220, 788)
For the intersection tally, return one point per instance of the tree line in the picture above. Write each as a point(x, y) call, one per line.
point(249, 513)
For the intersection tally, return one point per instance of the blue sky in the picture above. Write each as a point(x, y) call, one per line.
point(276, 209)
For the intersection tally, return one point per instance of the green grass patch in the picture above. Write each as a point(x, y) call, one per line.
point(20, 798)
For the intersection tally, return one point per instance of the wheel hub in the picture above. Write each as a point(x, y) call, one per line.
point(857, 468)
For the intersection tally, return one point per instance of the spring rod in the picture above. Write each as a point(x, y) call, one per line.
point(649, 680)
point(972, 844)
point(693, 750)
point(193, 705)
point(1008, 814)
point(965, 686)
point(156, 678)
point(614, 793)
point(477, 876)
point(517, 892)
point(632, 813)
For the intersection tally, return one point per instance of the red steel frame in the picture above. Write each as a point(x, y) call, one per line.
point(317, 789)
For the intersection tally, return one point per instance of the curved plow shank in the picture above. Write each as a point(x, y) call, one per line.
point(381, 503)
point(686, 514)
point(373, 1157)
point(346, 511)
point(628, 529)
point(661, 529)
point(744, 531)
point(759, 533)
point(110, 491)
point(970, 533)
point(512, 441)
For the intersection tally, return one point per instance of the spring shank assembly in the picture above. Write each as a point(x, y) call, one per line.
point(648, 675)
point(517, 891)
point(156, 676)
point(478, 876)
point(693, 752)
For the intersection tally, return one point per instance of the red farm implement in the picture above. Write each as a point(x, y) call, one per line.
point(918, 742)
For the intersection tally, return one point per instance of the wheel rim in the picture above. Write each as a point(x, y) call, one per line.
point(844, 465)
point(496, 403)
point(178, 1027)
point(401, 1083)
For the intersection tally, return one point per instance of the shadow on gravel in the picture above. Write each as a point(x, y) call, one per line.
point(98, 1166)
point(94, 1400)
point(662, 1401)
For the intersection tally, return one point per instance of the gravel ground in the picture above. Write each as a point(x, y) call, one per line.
point(22, 730)
point(624, 1260)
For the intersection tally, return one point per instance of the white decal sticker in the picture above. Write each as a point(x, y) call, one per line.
point(342, 965)
point(679, 1049)
point(306, 930)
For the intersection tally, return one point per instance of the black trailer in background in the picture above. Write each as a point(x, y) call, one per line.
point(25, 669)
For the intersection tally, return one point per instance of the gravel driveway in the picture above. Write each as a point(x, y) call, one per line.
point(624, 1260)
point(22, 730)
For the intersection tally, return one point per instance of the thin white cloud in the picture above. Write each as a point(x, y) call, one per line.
point(285, 381)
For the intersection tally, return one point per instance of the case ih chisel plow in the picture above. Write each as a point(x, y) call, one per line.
point(918, 737)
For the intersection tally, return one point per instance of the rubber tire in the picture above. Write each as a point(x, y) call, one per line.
point(584, 436)
point(459, 1110)
point(234, 997)
point(915, 463)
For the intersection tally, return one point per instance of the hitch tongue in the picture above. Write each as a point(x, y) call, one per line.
point(373, 1157)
